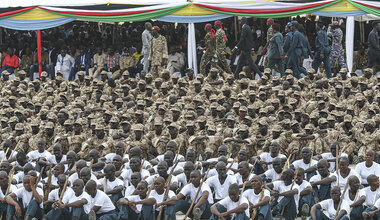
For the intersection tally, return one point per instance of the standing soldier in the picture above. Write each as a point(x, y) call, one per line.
point(158, 52)
point(276, 50)
point(221, 40)
point(337, 54)
point(295, 53)
point(210, 48)
point(146, 39)
point(322, 50)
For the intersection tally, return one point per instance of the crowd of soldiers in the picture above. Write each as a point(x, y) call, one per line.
point(212, 147)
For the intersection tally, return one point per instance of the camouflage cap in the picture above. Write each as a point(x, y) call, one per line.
point(347, 118)
point(49, 125)
point(243, 127)
point(99, 126)
point(19, 127)
point(80, 73)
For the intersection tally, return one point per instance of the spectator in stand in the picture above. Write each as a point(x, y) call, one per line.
point(26, 60)
point(82, 63)
point(98, 62)
point(64, 64)
point(112, 60)
point(44, 63)
point(10, 62)
point(176, 61)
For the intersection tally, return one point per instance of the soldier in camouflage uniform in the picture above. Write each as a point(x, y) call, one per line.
point(336, 35)
point(158, 52)
point(221, 40)
point(209, 51)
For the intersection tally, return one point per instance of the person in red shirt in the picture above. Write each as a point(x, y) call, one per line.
point(10, 62)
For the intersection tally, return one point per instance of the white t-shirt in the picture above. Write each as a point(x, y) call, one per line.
point(301, 164)
point(74, 176)
point(26, 196)
point(377, 204)
point(272, 174)
point(303, 185)
point(239, 178)
point(229, 204)
point(346, 196)
point(363, 171)
point(53, 160)
point(12, 189)
point(189, 189)
point(146, 164)
point(253, 197)
point(101, 200)
point(213, 172)
point(2, 153)
point(182, 179)
point(343, 181)
point(70, 198)
point(127, 173)
point(110, 185)
point(129, 190)
point(266, 157)
point(318, 177)
point(176, 169)
point(149, 180)
point(54, 194)
point(371, 196)
point(221, 190)
point(279, 185)
point(136, 198)
point(109, 157)
point(329, 156)
point(54, 180)
point(35, 154)
point(159, 198)
point(328, 205)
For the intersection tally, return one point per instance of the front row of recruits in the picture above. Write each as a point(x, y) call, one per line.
point(126, 186)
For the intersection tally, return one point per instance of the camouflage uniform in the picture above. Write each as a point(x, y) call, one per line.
point(158, 52)
point(336, 49)
point(221, 39)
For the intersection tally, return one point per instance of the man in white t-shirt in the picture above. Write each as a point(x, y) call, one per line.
point(39, 156)
point(274, 173)
point(99, 203)
point(138, 206)
point(11, 154)
point(329, 205)
point(331, 156)
point(321, 182)
point(4, 182)
point(232, 204)
point(201, 208)
point(26, 201)
point(368, 167)
point(114, 186)
point(355, 197)
point(305, 193)
point(259, 198)
point(221, 182)
point(266, 159)
point(74, 204)
point(306, 163)
point(55, 194)
point(285, 192)
point(158, 194)
point(372, 192)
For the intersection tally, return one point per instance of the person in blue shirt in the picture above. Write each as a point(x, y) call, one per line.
point(295, 53)
point(276, 50)
point(322, 50)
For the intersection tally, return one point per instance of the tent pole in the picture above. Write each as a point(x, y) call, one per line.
point(39, 52)
point(236, 30)
point(350, 29)
point(191, 48)
point(1, 35)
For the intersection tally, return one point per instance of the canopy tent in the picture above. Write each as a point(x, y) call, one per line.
point(43, 14)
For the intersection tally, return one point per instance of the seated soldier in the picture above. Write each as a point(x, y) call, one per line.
point(221, 182)
point(72, 205)
point(201, 208)
point(25, 202)
point(372, 195)
point(285, 192)
point(274, 173)
point(322, 182)
point(4, 182)
point(101, 206)
point(244, 174)
point(258, 198)
point(331, 206)
point(97, 164)
point(53, 184)
point(111, 185)
point(54, 195)
point(368, 167)
point(306, 163)
point(131, 189)
point(232, 204)
point(355, 198)
point(306, 194)
point(168, 205)
point(137, 206)
point(214, 172)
